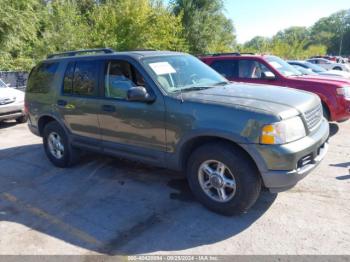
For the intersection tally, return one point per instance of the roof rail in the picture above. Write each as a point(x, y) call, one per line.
point(234, 53)
point(248, 53)
point(142, 49)
point(74, 53)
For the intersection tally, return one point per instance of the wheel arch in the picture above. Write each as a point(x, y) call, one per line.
point(192, 144)
point(44, 120)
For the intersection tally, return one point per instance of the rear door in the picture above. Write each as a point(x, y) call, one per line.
point(79, 101)
point(133, 129)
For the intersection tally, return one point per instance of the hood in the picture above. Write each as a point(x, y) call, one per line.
point(318, 79)
point(280, 101)
point(336, 73)
point(7, 92)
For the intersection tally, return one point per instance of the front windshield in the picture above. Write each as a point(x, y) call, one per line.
point(2, 84)
point(282, 66)
point(315, 68)
point(182, 72)
point(304, 71)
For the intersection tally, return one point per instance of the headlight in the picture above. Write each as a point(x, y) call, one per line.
point(283, 132)
point(344, 91)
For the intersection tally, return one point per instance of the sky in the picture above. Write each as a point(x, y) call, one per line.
point(267, 17)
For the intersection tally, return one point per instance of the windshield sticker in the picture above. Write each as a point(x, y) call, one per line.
point(275, 64)
point(162, 68)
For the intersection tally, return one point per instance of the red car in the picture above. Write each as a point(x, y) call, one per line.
point(272, 70)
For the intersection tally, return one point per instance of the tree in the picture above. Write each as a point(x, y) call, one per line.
point(206, 29)
point(333, 32)
point(258, 44)
point(136, 24)
point(19, 23)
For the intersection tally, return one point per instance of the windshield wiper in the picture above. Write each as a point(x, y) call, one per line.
point(195, 88)
point(222, 83)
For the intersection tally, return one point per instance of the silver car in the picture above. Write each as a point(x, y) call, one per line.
point(11, 104)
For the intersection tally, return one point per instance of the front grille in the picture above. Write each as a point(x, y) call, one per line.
point(313, 117)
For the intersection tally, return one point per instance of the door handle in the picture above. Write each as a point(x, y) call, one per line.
point(61, 102)
point(108, 108)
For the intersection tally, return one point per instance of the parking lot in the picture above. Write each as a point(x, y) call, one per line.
point(111, 206)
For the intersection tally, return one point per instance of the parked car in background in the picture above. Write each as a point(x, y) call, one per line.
point(330, 58)
point(319, 70)
point(329, 65)
point(171, 110)
point(272, 70)
point(11, 104)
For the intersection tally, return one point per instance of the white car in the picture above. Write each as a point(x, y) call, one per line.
point(312, 68)
point(329, 65)
point(11, 104)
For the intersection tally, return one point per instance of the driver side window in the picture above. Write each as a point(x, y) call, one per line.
point(120, 76)
point(251, 69)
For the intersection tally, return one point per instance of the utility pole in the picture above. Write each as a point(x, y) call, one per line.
point(344, 26)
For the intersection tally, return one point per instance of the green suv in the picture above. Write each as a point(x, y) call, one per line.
point(171, 110)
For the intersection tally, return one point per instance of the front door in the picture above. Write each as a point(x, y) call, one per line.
point(133, 129)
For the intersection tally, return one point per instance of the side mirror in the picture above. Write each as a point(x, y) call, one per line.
point(139, 94)
point(268, 75)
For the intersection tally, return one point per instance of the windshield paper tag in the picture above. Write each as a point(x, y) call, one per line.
point(162, 68)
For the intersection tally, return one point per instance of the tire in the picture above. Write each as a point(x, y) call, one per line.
point(69, 155)
point(338, 68)
point(21, 119)
point(246, 176)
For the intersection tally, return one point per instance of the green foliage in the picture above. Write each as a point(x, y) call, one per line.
point(334, 32)
point(291, 43)
point(136, 24)
point(329, 35)
point(31, 29)
point(207, 30)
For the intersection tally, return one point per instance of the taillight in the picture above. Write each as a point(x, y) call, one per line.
point(26, 108)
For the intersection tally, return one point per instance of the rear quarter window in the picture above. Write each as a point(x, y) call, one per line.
point(41, 78)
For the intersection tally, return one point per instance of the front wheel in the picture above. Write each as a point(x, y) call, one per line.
point(223, 179)
point(337, 68)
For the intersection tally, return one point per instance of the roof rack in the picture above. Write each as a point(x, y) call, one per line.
point(74, 53)
point(219, 54)
point(233, 53)
point(142, 49)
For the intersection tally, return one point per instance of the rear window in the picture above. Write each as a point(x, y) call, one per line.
point(81, 78)
point(41, 78)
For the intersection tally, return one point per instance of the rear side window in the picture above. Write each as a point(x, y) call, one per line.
point(81, 78)
point(227, 68)
point(41, 78)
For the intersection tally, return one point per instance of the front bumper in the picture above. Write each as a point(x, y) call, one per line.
point(278, 181)
point(282, 166)
point(11, 111)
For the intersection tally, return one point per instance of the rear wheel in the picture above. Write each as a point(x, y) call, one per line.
point(223, 179)
point(56, 146)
